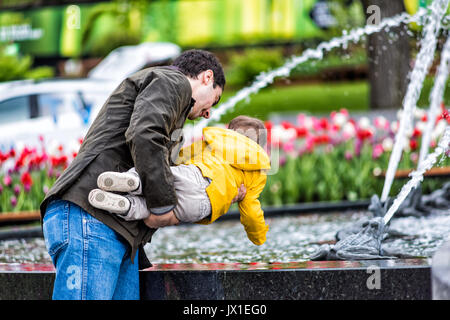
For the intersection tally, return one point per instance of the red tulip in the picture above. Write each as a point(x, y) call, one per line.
point(364, 134)
point(3, 157)
point(321, 139)
point(301, 131)
point(413, 144)
point(323, 123)
point(416, 133)
point(26, 179)
point(287, 125)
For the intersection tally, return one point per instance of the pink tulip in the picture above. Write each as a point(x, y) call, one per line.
point(358, 146)
point(310, 139)
point(348, 155)
point(301, 118)
point(282, 161)
point(381, 123)
point(288, 147)
point(16, 190)
point(13, 200)
point(7, 180)
point(377, 151)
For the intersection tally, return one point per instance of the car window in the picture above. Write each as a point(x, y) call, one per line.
point(51, 104)
point(15, 109)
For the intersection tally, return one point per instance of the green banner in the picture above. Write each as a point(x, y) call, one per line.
point(86, 29)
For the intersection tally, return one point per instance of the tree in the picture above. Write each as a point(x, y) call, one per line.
point(389, 57)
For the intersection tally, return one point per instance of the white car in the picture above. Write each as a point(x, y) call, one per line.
point(61, 110)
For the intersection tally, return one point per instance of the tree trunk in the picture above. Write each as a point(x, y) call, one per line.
point(388, 56)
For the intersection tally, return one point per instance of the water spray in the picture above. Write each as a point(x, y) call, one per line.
point(266, 78)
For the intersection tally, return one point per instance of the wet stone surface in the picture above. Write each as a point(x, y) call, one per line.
point(290, 238)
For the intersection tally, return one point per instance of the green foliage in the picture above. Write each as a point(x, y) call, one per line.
point(348, 15)
point(342, 58)
point(12, 67)
point(245, 66)
point(111, 41)
point(40, 73)
point(16, 68)
point(123, 16)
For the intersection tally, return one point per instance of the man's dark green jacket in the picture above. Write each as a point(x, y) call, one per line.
point(136, 127)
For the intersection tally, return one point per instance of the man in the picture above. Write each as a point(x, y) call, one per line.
point(94, 252)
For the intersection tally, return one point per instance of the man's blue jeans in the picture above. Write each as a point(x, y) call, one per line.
point(92, 261)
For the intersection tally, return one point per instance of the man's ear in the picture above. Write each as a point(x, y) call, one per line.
point(208, 76)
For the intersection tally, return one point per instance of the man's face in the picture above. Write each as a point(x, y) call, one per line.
point(205, 96)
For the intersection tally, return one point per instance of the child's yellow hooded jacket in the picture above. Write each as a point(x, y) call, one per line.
point(230, 159)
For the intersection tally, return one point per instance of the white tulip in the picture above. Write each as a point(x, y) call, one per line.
point(364, 123)
point(349, 129)
point(339, 119)
point(419, 113)
point(387, 144)
point(394, 126)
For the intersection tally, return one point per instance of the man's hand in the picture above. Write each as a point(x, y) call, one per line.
point(242, 191)
point(157, 221)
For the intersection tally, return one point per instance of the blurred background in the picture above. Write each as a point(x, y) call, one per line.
point(60, 59)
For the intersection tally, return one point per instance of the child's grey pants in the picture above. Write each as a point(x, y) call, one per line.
point(190, 187)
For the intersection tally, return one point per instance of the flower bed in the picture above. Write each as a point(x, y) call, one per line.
point(26, 174)
point(336, 158)
point(321, 159)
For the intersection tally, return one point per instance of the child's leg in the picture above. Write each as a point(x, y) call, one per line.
point(127, 207)
point(120, 181)
point(193, 201)
point(138, 208)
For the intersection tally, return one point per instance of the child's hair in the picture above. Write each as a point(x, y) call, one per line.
point(250, 127)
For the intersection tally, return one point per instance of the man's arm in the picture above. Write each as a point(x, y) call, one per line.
point(156, 109)
point(167, 219)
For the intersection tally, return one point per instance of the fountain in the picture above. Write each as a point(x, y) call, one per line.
point(266, 78)
point(201, 268)
point(366, 241)
point(423, 61)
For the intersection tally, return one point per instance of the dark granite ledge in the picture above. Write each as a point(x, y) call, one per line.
point(398, 279)
point(329, 280)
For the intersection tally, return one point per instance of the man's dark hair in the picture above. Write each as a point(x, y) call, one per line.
point(193, 62)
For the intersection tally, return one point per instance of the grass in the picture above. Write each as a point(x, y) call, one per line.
point(317, 98)
point(314, 98)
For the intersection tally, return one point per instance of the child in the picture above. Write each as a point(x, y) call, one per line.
point(206, 180)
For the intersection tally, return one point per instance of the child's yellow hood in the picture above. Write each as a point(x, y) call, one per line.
point(238, 150)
